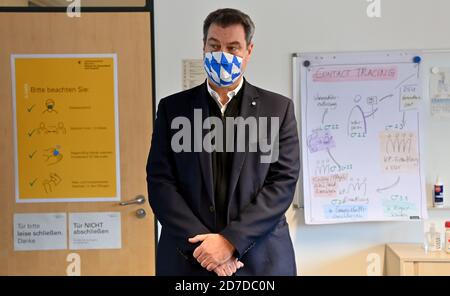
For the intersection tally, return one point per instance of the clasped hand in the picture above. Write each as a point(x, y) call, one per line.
point(215, 253)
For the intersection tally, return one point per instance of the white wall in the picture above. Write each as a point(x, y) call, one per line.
point(287, 26)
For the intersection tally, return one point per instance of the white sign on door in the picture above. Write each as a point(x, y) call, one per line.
point(95, 231)
point(40, 231)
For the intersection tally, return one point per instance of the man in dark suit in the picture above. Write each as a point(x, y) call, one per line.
point(222, 210)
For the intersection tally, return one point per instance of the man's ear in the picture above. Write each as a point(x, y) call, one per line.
point(204, 46)
point(250, 49)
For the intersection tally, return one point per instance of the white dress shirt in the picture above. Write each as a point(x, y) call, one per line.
point(230, 95)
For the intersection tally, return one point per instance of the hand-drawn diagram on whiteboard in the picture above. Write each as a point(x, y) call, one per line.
point(360, 123)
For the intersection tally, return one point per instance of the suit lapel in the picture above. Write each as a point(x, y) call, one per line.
point(249, 108)
point(200, 102)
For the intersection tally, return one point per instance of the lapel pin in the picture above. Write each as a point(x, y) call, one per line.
point(253, 103)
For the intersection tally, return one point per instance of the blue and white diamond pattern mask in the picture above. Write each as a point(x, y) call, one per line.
point(222, 68)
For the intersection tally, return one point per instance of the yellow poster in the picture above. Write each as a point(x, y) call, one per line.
point(66, 127)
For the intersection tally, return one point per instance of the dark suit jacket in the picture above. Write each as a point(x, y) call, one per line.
point(180, 189)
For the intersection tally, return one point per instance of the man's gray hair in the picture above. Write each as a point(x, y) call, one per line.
point(225, 17)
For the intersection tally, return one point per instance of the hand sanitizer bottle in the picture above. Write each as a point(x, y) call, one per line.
point(447, 236)
point(438, 193)
point(433, 238)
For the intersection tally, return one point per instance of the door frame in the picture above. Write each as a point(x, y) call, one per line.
point(149, 8)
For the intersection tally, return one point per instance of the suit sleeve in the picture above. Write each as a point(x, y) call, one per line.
point(276, 195)
point(168, 205)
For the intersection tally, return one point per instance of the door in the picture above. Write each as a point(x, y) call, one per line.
point(127, 34)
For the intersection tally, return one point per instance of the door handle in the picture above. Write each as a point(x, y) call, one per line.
point(140, 199)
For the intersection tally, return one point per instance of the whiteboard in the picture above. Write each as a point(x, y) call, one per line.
point(361, 130)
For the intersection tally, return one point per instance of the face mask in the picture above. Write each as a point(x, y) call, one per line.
point(222, 68)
